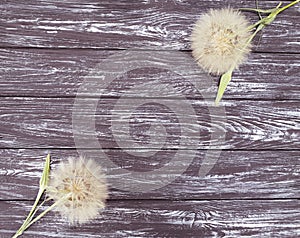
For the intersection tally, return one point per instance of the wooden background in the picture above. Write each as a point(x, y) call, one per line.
point(46, 49)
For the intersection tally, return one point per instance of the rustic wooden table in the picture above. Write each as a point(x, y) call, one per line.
point(48, 47)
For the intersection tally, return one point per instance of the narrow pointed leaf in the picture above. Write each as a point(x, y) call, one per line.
point(225, 79)
point(45, 176)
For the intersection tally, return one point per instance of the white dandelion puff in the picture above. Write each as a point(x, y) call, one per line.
point(79, 189)
point(220, 40)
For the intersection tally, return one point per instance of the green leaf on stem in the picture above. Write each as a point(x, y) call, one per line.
point(43, 185)
point(259, 25)
point(225, 79)
point(45, 177)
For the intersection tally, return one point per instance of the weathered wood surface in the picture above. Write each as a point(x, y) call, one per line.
point(59, 73)
point(236, 174)
point(46, 50)
point(154, 218)
point(47, 123)
point(126, 24)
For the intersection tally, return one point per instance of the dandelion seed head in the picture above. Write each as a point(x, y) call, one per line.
point(80, 187)
point(219, 40)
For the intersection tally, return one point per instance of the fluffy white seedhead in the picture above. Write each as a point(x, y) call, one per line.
point(219, 40)
point(80, 189)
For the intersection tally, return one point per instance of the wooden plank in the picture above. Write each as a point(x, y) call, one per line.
point(59, 73)
point(126, 24)
point(236, 174)
point(254, 185)
point(147, 218)
point(47, 123)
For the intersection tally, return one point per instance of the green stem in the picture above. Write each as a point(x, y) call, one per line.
point(268, 19)
point(25, 227)
point(287, 6)
point(28, 224)
point(256, 3)
point(38, 207)
point(31, 213)
point(272, 13)
point(42, 214)
point(42, 188)
point(259, 28)
point(259, 25)
point(257, 10)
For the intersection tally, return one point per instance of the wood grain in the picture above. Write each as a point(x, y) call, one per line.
point(126, 24)
point(47, 49)
point(236, 174)
point(148, 218)
point(47, 123)
point(59, 73)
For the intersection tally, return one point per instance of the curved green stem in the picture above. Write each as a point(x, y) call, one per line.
point(31, 213)
point(258, 26)
point(256, 4)
point(287, 6)
point(272, 13)
point(268, 19)
point(43, 214)
point(43, 184)
point(25, 227)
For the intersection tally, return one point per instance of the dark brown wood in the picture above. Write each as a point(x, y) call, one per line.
point(47, 48)
point(150, 218)
point(47, 123)
point(56, 73)
point(126, 24)
point(236, 174)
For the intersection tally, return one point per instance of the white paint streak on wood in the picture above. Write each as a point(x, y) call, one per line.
point(48, 123)
point(60, 72)
point(263, 136)
point(237, 174)
point(123, 24)
point(277, 218)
